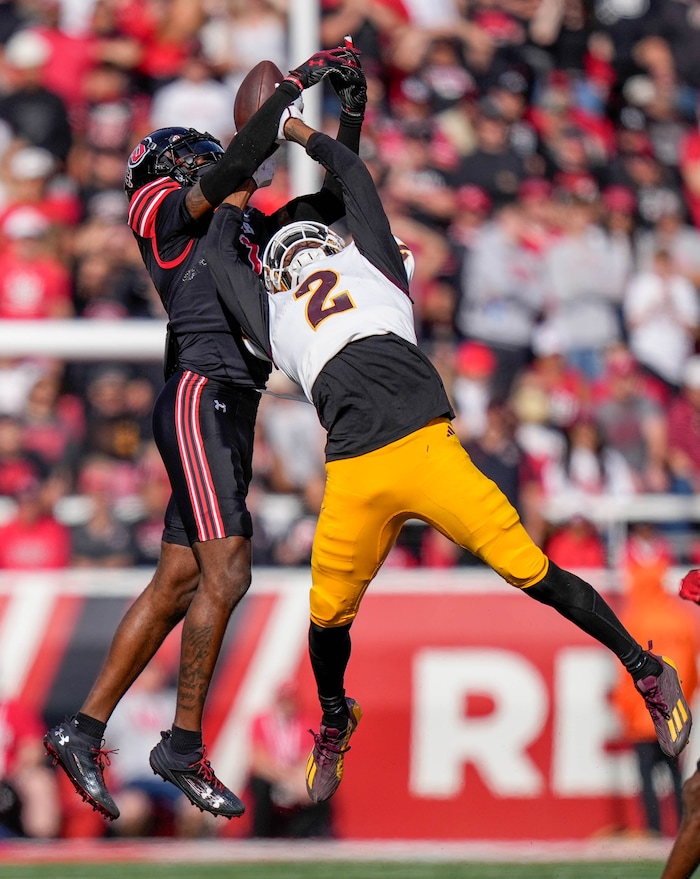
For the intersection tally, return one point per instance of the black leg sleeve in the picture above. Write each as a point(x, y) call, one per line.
point(329, 651)
point(579, 602)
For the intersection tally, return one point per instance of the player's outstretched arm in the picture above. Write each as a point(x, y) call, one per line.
point(367, 220)
point(349, 83)
point(254, 143)
point(352, 94)
point(257, 140)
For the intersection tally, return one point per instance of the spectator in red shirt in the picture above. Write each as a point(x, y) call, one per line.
point(576, 544)
point(281, 806)
point(18, 465)
point(29, 797)
point(166, 34)
point(689, 167)
point(34, 538)
point(34, 283)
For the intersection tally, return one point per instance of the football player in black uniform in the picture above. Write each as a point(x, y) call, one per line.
point(337, 318)
point(204, 422)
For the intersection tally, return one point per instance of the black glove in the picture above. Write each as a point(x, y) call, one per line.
point(322, 63)
point(352, 94)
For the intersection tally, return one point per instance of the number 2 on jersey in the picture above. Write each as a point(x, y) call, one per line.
point(323, 302)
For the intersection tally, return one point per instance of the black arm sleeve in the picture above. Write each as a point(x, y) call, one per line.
point(367, 220)
point(325, 206)
point(349, 135)
point(252, 145)
point(239, 288)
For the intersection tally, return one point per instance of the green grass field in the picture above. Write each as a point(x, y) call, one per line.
point(346, 870)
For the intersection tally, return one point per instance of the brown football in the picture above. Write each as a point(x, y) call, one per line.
point(257, 86)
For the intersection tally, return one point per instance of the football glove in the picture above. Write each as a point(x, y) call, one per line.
point(291, 111)
point(320, 65)
point(690, 586)
point(352, 94)
point(266, 171)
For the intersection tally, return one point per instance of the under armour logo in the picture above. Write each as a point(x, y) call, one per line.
point(62, 737)
point(219, 406)
point(216, 801)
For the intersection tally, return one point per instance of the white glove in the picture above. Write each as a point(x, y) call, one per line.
point(263, 176)
point(292, 111)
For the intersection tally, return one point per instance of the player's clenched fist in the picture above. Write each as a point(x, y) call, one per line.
point(322, 63)
point(351, 92)
point(690, 586)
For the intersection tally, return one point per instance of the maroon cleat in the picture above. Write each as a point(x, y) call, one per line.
point(666, 703)
point(324, 768)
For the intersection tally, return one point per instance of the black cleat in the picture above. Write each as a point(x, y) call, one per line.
point(83, 760)
point(193, 775)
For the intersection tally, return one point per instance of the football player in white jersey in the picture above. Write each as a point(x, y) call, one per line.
point(337, 318)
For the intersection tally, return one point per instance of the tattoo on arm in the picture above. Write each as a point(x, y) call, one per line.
point(197, 205)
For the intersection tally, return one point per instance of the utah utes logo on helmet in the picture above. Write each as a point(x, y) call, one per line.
point(139, 151)
point(138, 154)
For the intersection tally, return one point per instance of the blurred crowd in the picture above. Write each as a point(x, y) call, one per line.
point(542, 160)
point(540, 157)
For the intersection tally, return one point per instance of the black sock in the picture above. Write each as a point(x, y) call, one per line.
point(646, 665)
point(335, 711)
point(185, 741)
point(90, 726)
point(329, 651)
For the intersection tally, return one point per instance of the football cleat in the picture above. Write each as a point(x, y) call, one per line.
point(324, 768)
point(666, 703)
point(83, 760)
point(193, 775)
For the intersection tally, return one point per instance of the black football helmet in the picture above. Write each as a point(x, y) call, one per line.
point(180, 153)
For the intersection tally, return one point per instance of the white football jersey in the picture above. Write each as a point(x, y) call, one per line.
point(339, 299)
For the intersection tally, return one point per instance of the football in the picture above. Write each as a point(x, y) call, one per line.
point(257, 86)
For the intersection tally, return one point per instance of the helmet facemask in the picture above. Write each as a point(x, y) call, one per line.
point(293, 248)
point(182, 154)
point(185, 158)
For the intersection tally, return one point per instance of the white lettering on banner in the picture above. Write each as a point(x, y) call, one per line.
point(443, 740)
point(583, 722)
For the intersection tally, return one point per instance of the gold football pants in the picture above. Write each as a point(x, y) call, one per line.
point(427, 475)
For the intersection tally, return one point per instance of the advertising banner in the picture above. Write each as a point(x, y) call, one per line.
point(487, 716)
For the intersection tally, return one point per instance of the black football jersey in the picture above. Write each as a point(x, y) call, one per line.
point(172, 247)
